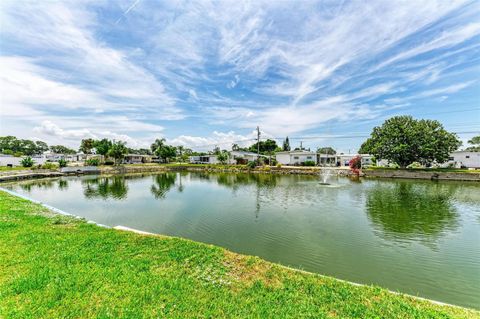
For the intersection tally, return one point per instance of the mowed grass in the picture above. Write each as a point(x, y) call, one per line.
point(54, 266)
point(14, 168)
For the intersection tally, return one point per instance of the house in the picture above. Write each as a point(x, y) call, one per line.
point(242, 157)
point(461, 159)
point(137, 159)
point(11, 161)
point(203, 159)
point(296, 157)
point(344, 159)
point(326, 159)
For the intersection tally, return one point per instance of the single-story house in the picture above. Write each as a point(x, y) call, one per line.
point(326, 159)
point(204, 159)
point(344, 159)
point(10, 160)
point(242, 157)
point(295, 157)
point(466, 159)
point(137, 159)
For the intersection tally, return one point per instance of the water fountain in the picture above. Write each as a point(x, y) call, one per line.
point(325, 173)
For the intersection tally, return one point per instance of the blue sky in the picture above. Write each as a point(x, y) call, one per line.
point(205, 73)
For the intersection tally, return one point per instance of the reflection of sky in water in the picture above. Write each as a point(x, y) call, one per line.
point(419, 237)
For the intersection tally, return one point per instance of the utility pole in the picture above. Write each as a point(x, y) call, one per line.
point(301, 147)
point(258, 143)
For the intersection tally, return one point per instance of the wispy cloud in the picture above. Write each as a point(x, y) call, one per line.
point(200, 72)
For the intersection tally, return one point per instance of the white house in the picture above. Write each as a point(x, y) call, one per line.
point(137, 159)
point(204, 159)
point(242, 157)
point(10, 160)
point(344, 159)
point(466, 159)
point(296, 157)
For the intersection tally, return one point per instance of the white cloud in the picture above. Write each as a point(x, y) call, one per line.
point(220, 139)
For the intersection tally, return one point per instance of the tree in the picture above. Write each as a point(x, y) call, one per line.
point(60, 149)
point(40, 147)
point(235, 147)
point(118, 151)
point(404, 140)
point(103, 146)
point(266, 147)
point(86, 145)
point(166, 152)
point(157, 144)
point(286, 145)
point(222, 157)
point(475, 141)
point(326, 150)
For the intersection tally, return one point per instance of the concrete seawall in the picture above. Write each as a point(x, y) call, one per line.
point(418, 174)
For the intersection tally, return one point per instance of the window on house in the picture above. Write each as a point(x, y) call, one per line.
point(309, 157)
point(450, 158)
point(468, 156)
point(295, 157)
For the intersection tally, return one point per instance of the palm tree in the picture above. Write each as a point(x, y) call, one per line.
point(157, 144)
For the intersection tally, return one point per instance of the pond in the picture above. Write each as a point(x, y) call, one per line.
point(416, 237)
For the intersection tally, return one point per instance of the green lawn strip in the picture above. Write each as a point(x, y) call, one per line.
point(54, 266)
point(14, 168)
point(435, 170)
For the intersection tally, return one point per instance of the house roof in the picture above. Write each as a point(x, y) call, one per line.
point(298, 152)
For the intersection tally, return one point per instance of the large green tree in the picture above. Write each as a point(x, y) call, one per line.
point(266, 146)
point(41, 147)
point(87, 145)
point(404, 140)
point(103, 146)
point(166, 152)
point(159, 142)
point(118, 150)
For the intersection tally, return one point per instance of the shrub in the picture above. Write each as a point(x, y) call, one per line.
point(27, 162)
point(279, 165)
point(251, 165)
point(415, 165)
point(49, 166)
point(62, 163)
point(17, 154)
point(355, 164)
point(309, 163)
point(92, 162)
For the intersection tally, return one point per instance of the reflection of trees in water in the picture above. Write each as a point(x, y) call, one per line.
point(62, 184)
point(163, 183)
point(411, 211)
point(236, 181)
point(45, 184)
point(105, 187)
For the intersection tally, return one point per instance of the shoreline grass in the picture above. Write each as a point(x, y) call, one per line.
point(54, 266)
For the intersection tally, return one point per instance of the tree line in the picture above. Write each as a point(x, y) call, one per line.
point(402, 140)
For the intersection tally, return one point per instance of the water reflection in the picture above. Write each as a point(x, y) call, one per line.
point(163, 183)
point(62, 184)
point(41, 184)
point(105, 187)
point(407, 211)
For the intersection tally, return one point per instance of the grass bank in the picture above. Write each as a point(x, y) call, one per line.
point(54, 266)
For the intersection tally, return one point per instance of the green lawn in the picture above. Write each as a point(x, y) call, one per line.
point(15, 168)
point(54, 266)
